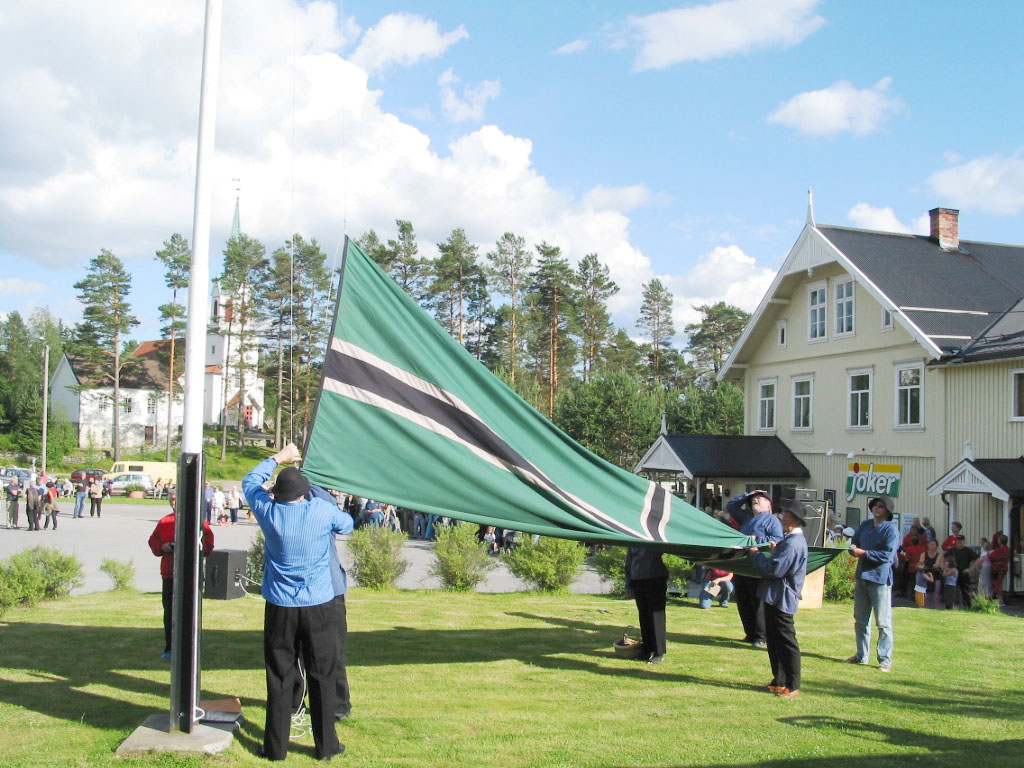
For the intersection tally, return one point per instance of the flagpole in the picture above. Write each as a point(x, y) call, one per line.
point(187, 604)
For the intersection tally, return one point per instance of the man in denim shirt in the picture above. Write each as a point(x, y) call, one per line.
point(753, 511)
point(301, 615)
point(874, 544)
point(780, 590)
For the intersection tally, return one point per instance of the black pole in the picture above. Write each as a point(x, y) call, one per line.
point(186, 609)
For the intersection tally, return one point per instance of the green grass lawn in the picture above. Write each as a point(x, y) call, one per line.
point(529, 680)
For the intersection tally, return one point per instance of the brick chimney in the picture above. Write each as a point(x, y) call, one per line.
point(945, 227)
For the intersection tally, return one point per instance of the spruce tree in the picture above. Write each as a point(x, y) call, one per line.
point(510, 263)
point(456, 276)
point(656, 321)
point(595, 287)
point(553, 299)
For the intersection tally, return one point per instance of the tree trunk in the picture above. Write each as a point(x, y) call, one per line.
point(170, 396)
point(117, 396)
point(224, 397)
point(278, 442)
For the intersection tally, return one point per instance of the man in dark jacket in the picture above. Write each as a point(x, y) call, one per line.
point(647, 580)
point(753, 511)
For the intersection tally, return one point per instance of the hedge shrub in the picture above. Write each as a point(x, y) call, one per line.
point(377, 556)
point(461, 561)
point(548, 564)
point(121, 573)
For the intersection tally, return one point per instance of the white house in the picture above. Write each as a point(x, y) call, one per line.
point(893, 363)
point(87, 402)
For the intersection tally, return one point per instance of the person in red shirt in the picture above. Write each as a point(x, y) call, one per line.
point(950, 542)
point(999, 558)
point(161, 544)
point(913, 550)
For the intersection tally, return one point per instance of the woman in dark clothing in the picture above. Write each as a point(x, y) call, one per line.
point(647, 580)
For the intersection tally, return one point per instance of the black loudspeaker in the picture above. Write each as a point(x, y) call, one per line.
point(806, 494)
point(814, 531)
point(222, 569)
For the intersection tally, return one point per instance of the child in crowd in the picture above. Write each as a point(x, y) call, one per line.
point(490, 540)
point(950, 591)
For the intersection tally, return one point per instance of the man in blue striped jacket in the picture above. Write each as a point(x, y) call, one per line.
point(300, 612)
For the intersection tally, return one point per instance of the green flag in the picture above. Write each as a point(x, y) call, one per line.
point(407, 416)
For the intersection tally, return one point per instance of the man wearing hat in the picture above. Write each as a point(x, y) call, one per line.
point(753, 511)
point(780, 589)
point(875, 545)
point(301, 615)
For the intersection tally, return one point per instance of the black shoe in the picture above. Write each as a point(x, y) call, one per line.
point(342, 715)
point(341, 748)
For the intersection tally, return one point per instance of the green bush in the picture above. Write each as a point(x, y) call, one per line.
point(982, 604)
point(461, 561)
point(255, 559)
point(121, 573)
point(134, 487)
point(549, 564)
point(36, 574)
point(839, 573)
point(610, 563)
point(377, 560)
point(679, 570)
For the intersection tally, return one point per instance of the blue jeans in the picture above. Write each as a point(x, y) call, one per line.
point(419, 526)
point(868, 598)
point(706, 600)
point(79, 503)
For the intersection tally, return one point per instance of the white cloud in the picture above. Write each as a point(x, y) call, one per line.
point(726, 274)
point(840, 108)
point(621, 198)
point(16, 286)
point(866, 216)
point(473, 101)
point(726, 28)
point(994, 183)
point(576, 46)
point(402, 39)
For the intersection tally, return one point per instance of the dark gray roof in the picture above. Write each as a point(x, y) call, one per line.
point(914, 272)
point(736, 456)
point(1008, 474)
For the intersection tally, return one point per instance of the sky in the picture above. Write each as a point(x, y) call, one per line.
point(677, 140)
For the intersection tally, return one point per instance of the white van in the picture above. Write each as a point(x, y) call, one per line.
point(157, 470)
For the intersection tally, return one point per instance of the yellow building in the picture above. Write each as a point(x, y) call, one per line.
point(891, 363)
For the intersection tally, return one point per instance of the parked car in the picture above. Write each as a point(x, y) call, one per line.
point(88, 475)
point(24, 475)
point(120, 483)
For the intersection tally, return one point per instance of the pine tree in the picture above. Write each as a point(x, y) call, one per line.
point(656, 321)
point(106, 317)
point(310, 320)
point(595, 287)
point(456, 276)
point(407, 267)
point(509, 269)
point(176, 256)
point(243, 278)
point(713, 338)
point(277, 293)
point(554, 318)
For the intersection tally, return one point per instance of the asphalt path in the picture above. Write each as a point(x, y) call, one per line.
point(123, 530)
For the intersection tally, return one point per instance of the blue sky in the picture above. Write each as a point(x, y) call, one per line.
point(677, 140)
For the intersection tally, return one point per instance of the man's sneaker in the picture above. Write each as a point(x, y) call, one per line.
point(885, 667)
point(856, 660)
point(759, 644)
point(165, 655)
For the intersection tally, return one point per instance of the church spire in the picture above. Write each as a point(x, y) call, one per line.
point(236, 225)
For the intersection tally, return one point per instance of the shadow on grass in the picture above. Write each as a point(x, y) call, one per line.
point(75, 672)
point(936, 750)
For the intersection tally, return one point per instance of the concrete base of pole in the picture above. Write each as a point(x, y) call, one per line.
point(154, 735)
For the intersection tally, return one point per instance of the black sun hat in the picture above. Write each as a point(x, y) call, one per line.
point(290, 485)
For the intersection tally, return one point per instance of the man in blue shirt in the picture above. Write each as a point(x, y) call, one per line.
point(874, 544)
point(300, 613)
point(780, 589)
point(753, 511)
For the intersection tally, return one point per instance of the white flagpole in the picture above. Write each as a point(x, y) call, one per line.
point(187, 603)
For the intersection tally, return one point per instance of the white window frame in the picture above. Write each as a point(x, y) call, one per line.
point(839, 303)
point(126, 405)
point(781, 334)
point(850, 373)
point(774, 400)
point(809, 380)
point(1016, 403)
point(887, 323)
point(812, 311)
point(898, 389)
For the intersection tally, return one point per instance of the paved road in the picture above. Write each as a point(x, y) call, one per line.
point(123, 530)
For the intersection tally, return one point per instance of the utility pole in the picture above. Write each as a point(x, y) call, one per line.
point(46, 399)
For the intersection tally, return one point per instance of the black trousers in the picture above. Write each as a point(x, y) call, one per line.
point(966, 585)
point(344, 700)
point(783, 649)
point(649, 595)
point(167, 597)
point(33, 518)
point(309, 633)
point(95, 507)
point(750, 607)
